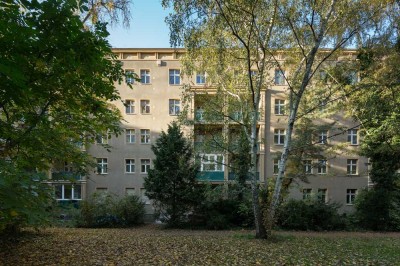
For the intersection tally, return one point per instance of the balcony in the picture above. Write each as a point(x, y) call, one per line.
point(68, 176)
point(232, 176)
point(211, 176)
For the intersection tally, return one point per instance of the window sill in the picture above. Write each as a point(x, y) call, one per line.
point(146, 143)
point(130, 173)
point(130, 113)
point(145, 113)
point(102, 173)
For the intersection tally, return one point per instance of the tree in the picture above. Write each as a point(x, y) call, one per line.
point(57, 82)
point(103, 10)
point(258, 32)
point(171, 183)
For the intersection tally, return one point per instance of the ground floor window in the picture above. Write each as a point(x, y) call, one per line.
point(68, 192)
point(351, 196)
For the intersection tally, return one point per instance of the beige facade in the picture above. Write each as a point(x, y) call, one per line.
point(155, 101)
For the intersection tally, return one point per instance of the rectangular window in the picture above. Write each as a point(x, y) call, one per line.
point(279, 77)
point(102, 138)
point(322, 193)
point(352, 166)
point(174, 107)
point(102, 166)
point(144, 166)
point(129, 107)
point(130, 191)
point(352, 136)
point(279, 136)
point(174, 77)
point(321, 170)
point(276, 166)
point(145, 76)
point(307, 166)
point(129, 165)
point(201, 78)
point(351, 196)
point(68, 192)
point(129, 74)
point(212, 162)
point(279, 107)
point(323, 137)
point(143, 196)
point(145, 136)
point(145, 106)
point(130, 135)
point(307, 193)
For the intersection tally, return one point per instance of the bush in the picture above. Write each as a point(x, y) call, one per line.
point(310, 215)
point(106, 210)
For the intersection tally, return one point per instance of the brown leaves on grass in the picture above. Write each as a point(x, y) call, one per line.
point(151, 245)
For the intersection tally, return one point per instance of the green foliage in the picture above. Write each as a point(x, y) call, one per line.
point(56, 84)
point(224, 207)
point(106, 210)
point(65, 213)
point(171, 183)
point(309, 215)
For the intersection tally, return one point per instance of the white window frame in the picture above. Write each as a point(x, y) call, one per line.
point(323, 137)
point(212, 159)
point(145, 77)
point(322, 167)
point(352, 136)
point(174, 106)
point(129, 80)
point(102, 139)
point(174, 77)
point(130, 135)
point(352, 166)
point(145, 136)
point(63, 198)
point(102, 166)
point(308, 167)
point(276, 166)
point(323, 195)
point(145, 164)
point(279, 107)
point(279, 136)
point(145, 107)
point(351, 194)
point(129, 166)
point(279, 77)
point(129, 106)
point(307, 193)
point(201, 78)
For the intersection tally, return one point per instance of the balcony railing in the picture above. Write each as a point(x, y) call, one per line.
point(210, 176)
point(232, 176)
point(66, 176)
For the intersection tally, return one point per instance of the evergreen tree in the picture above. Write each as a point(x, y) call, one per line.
point(172, 184)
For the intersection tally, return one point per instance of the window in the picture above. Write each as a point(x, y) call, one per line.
point(130, 135)
point(129, 107)
point(145, 136)
point(145, 106)
point(352, 77)
point(212, 162)
point(323, 137)
point(279, 77)
point(322, 193)
point(321, 167)
point(307, 166)
point(174, 107)
point(101, 139)
point(279, 107)
point(352, 136)
point(145, 166)
point(143, 196)
point(129, 165)
point(68, 192)
point(129, 74)
point(351, 196)
point(174, 77)
point(276, 166)
point(352, 166)
point(130, 191)
point(102, 166)
point(145, 76)
point(201, 78)
point(307, 193)
point(279, 136)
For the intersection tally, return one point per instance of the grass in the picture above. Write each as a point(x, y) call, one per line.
point(151, 245)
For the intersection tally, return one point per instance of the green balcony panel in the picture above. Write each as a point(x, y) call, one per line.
point(66, 176)
point(232, 176)
point(211, 176)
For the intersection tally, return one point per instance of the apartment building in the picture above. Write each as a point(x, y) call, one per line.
point(155, 101)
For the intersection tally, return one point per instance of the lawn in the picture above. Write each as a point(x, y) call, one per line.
point(151, 245)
